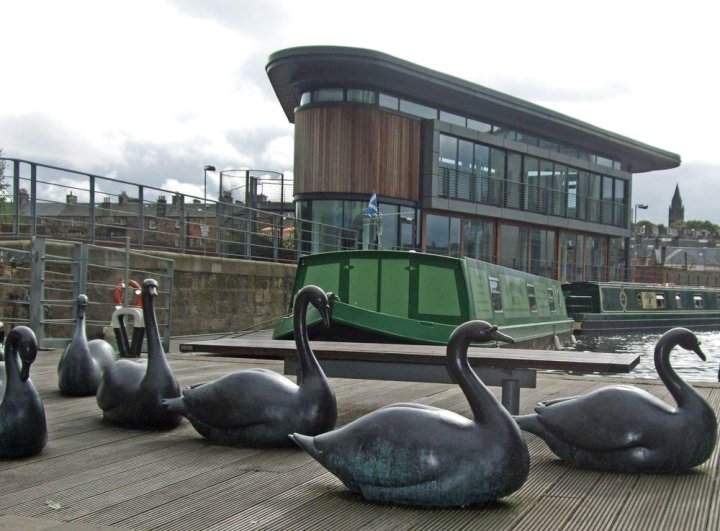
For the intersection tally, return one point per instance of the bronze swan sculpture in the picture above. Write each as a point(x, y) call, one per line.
point(421, 455)
point(626, 429)
point(259, 407)
point(23, 429)
point(82, 363)
point(131, 392)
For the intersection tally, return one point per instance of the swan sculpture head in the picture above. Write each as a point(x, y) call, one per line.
point(683, 338)
point(22, 340)
point(150, 287)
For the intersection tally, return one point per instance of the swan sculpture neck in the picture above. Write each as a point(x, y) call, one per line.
point(156, 354)
point(12, 371)
point(482, 402)
point(681, 391)
point(81, 306)
point(308, 364)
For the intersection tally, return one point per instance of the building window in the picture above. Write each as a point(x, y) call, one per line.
point(389, 102)
point(514, 246)
point(416, 109)
point(442, 235)
point(328, 94)
point(479, 240)
point(361, 96)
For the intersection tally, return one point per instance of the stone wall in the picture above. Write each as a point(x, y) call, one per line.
point(225, 295)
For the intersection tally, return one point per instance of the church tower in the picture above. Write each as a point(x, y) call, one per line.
point(677, 210)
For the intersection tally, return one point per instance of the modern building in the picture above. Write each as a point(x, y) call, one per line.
point(457, 168)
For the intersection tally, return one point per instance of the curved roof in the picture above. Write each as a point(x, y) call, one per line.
point(297, 70)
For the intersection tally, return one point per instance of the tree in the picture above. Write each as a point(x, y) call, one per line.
point(703, 225)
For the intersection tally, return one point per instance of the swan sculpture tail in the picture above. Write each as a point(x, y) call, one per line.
point(306, 443)
point(175, 405)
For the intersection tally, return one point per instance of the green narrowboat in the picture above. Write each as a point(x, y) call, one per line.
point(612, 307)
point(411, 297)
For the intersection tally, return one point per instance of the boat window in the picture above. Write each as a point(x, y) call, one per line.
point(660, 301)
point(678, 301)
point(495, 295)
point(531, 297)
point(698, 301)
point(551, 300)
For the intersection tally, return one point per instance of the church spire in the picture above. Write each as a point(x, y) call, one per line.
point(677, 210)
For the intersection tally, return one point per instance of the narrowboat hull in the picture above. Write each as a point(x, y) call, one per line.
point(405, 297)
point(622, 307)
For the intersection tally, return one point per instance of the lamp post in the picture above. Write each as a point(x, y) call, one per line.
point(641, 206)
point(208, 168)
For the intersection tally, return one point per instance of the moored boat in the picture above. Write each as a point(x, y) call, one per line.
point(611, 307)
point(410, 297)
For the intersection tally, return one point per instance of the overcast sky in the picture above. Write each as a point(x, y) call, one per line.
point(153, 90)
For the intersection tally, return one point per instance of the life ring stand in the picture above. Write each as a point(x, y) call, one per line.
point(127, 348)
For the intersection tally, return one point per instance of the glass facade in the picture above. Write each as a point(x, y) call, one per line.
point(335, 223)
point(484, 174)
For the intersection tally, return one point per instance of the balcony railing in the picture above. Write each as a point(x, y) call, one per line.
point(487, 190)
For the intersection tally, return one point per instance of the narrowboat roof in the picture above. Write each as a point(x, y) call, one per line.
point(640, 285)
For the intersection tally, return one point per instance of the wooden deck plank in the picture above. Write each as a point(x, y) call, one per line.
point(103, 475)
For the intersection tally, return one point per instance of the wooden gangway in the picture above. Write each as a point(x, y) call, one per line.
point(95, 476)
point(508, 368)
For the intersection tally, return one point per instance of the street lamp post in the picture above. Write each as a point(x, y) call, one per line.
point(641, 206)
point(208, 168)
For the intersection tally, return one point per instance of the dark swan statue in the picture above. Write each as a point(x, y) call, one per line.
point(82, 363)
point(259, 407)
point(420, 455)
point(623, 428)
point(131, 392)
point(23, 430)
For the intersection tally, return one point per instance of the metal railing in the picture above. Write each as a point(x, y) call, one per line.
point(487, 190)
point(49, 201)
point(41, 279)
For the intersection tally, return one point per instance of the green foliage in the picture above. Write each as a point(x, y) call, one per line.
point(703, 225)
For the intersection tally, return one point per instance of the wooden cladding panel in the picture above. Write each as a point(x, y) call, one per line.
point(357, 150)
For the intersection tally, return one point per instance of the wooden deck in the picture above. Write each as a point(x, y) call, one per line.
point(92, 476)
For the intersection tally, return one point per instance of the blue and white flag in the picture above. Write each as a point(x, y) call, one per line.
point(372, 209)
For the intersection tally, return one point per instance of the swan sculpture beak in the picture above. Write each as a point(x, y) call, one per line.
point(325, 314)
point(326, 310)
point(497, 335)
point(697, 350)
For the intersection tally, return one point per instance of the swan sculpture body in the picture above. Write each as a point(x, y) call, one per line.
point(421, 455)
point(131, 392)
point(623, 428)
point(259, 407)
point(23, 430)
point(82, 363)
